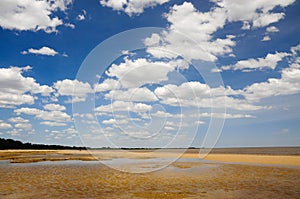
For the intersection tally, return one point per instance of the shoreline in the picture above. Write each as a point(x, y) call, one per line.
point(30, 156)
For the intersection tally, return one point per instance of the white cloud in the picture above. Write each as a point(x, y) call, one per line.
point(195, 94)
point(106, 85)
point(10, 100)
point(131, 7)
point(131, 73)
point(48, 123)
point(213, 102)
point(163, 114)
point(42, 51)
point(31, 15)
point(169, 128)
point(134, 95)
point(269, 61)
point(272, 29)
point(114, 122)
point(266, 19)
point(81, 17)
point(70, 25)
point(190, 90)
point(56, 116)
point(246, 25)
point(266, 38)
point(60, 4)
point(289, 83)
point(153, 40)
point(126, 52)
point(4, 125)
point(71, 130)
point(190, 34)
point(54, 107)
point(79, 90)
point(15, 89)
point(84, 115)
point(216, 70)
point(25, 126)
point(225, 115)
point(124, 106)
point(258, 13)
point(18, 120)
point(65, 54)
point(294, 49)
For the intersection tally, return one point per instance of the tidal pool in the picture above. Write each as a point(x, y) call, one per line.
point(186, 178)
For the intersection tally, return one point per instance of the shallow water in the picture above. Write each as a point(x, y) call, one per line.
point(186, 178)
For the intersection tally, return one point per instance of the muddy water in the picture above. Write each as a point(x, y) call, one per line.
point(75, 179)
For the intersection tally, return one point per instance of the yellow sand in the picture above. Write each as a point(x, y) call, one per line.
point(43, 155)
point(258, 159)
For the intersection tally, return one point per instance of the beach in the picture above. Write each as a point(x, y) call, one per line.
point(77, 174)
point(279, 156)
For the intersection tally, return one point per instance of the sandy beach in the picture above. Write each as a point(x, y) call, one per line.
point(237, 156)
point(47, 174)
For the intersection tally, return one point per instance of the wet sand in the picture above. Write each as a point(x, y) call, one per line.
point(291, 157)
point(186, 178)
point(179, 180)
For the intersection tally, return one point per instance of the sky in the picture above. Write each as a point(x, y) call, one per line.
point(153, 73)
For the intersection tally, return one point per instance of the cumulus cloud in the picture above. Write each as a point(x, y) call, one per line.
point(257, 13)
point(295, 49)
point(190, 90)
point(269, 30)
point(201, 95)
point(77, 89)
point(190, 34)
point(42, 51)
point(225, 115)
point(33, 15)
point(114, 122)
point(131, 7)
point(289, 83)
point(246, 25)
point(4, 125)
point(153, 40)
point(15, 89)
point(54, 107)
point(55, 116)
point(269, 61)
point(18, 120)
point(196, 94)
point(131, 73)
point(25, 126)
point(81, 17)
point(48, 123)
point(124, 106)
point(169, 128)
point(106, 85)
point(266, 38)
point(163, 114)
point(70, 25)
point(272, 29)
point(135, 95)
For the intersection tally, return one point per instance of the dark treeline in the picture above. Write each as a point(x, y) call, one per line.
point(15, 144)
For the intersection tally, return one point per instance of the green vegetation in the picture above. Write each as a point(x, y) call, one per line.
point(15, 144)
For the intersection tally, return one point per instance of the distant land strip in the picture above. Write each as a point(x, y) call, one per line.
point(287, 150)
point(15, 144)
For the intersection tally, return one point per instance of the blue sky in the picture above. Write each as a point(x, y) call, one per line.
point(206, 63)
